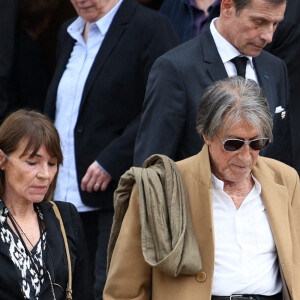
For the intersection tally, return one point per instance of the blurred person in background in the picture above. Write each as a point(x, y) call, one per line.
point(95, 99)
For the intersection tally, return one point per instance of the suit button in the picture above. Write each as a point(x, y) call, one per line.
point(79, 129)
point(201, 277)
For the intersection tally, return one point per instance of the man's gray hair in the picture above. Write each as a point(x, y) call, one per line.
point(234, 99)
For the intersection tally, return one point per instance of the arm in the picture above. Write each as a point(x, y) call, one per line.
point(157, 36)
point(81, 283)
point(164, 112)
point(129, 276)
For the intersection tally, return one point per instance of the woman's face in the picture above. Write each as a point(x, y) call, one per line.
point(27, 179)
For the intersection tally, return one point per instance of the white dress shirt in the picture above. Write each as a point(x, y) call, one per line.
point(246, 260)
point(228, 52)
point(69, 94)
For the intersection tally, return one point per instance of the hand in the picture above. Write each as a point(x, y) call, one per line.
point(95, 179)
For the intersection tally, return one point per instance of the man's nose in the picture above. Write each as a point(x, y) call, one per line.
point(245, 153)
point(267, 33)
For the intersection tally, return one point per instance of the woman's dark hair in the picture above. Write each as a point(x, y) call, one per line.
point(35, 129)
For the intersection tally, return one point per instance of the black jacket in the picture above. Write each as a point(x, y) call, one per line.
point(56, 260)
point(114, 91)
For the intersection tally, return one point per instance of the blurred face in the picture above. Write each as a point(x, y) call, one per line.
point(233, 166)
point(252, 28)
point(92, 10)
point(28, 179)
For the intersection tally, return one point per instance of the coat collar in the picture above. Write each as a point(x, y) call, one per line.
point(275, 199)
point(114, 34)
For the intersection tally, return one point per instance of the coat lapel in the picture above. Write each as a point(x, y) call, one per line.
point(197, 179)
point(114, 34)
point(63, 58)
point(274, 197)
point(264, 79)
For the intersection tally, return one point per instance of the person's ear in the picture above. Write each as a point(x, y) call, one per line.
point(227, 8)
point(3, 159)
point(207, 140)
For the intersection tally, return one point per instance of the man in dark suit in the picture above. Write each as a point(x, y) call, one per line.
point(95, 98)
point(178, 78)
point(286, 45)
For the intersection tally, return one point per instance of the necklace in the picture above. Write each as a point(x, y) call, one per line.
point(22, 231)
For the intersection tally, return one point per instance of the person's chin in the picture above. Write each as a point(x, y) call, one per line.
point(238, 174)
point(252, 50)
point(37, 198)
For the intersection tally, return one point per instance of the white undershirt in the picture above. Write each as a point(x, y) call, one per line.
point(228, 52)
point(245, 252)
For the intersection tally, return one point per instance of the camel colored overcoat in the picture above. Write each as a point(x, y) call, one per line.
point(130, 277)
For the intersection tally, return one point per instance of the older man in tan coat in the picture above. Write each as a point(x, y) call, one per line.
point(245, 212)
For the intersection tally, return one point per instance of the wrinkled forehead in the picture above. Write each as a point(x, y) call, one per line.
point(239, 127)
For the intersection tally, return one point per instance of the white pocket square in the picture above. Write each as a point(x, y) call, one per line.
point(279, 109)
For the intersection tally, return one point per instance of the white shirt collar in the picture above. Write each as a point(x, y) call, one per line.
point(103, 24)
point(219, 184)
point(225, 49)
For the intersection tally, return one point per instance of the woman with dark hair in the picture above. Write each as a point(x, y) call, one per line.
point(33, 256)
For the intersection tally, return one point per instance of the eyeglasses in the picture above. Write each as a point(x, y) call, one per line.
point(231, 145)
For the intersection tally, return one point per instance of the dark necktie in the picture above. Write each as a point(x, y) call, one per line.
point(240, 63)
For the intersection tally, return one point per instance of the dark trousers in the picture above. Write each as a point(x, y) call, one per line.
point(97, 226)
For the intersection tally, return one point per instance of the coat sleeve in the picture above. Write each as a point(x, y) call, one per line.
point(81, 281)
point(157, 37)
point(164, 112)
point(129, 276)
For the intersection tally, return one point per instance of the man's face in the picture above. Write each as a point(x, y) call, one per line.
point(232, 166)
point(252, 28)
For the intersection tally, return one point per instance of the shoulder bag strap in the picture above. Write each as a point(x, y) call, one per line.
point(63, 232)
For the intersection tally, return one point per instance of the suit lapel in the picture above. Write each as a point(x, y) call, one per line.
point(114, 34)
point(68, 45)
point(211, 56)
point(274, 197)
point(264, 78)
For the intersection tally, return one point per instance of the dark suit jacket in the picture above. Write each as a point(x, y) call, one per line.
point(175, 86)
point(114, 91)
point(56, 260)
point(286, 45)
